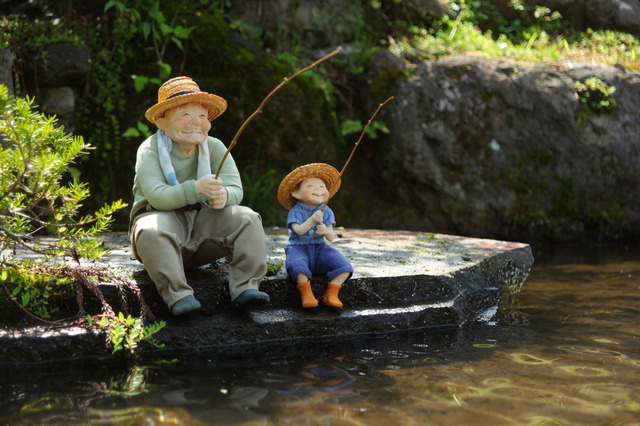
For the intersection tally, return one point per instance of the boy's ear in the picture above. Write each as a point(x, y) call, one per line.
point(296, 193)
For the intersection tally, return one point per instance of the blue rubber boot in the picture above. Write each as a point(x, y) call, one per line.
point(185, 305)
point(251, 299)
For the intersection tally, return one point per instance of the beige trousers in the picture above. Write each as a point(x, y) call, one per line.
point(168, 242)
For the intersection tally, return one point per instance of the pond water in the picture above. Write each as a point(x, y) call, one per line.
point(568, 353)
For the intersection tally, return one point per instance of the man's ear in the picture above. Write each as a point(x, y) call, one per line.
point(162, 123)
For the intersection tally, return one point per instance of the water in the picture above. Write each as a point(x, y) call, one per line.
point(568, 354)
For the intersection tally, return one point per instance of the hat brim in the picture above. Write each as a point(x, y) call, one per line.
point(327, 173)
point(214, 104)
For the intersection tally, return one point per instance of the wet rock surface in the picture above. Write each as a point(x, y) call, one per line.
point(403, 280)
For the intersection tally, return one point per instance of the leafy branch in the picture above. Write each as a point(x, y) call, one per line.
point(37, 194)
point(40, 214)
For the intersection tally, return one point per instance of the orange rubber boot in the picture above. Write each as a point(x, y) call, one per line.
point(308, 299)
point(330, 297)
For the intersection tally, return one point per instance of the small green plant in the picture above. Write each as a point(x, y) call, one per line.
point(596, 94)
point(127, 332)
point(141, 130)
point(355, 126)
point(273, 268)
point(595, 97)
point(33, 291)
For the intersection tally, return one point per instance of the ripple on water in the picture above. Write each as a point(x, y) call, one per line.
point(484, 345)
point(634, 362)
point(604, 340)
point(520, 392)
point(535, 398)
point(605, 393)
point(587, 350)
point(578, 370)
point(529, 359)
point(496, 381)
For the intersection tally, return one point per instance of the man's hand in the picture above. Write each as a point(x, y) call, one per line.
point(212, 188)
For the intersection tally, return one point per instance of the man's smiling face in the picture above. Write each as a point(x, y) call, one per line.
point(187, 125)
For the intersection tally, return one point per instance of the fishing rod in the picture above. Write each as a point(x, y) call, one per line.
point(259, 110)
point(358, 142)
point(354, 150)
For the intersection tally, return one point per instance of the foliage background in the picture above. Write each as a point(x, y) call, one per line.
point(239, 54)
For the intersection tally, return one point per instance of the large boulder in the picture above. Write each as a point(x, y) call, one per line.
point(57, 64)
point(493, 147)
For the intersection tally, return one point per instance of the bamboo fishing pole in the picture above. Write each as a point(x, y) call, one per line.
point(354, 149)
point(358, 141)
point(363, 132)
point(259, 110)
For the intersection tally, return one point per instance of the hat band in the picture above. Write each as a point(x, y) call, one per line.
point(185, 92)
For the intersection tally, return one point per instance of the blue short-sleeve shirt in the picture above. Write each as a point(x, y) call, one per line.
point(301, 212)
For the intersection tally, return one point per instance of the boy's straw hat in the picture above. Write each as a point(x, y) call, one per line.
point(327, 173)
point(182, 90)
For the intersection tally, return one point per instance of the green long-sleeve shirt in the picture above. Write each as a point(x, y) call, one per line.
point(150, 186)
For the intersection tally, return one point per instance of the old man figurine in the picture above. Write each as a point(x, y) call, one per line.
point(185, 217)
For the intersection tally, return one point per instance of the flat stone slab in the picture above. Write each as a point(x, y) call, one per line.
point(402, 280)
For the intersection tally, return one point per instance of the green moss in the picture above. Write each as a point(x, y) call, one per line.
point(274, 268)
point(520, 180)
point(389, 79)
point(595, 97)
point(566, 203)
point(611, 214)
point(531, 175)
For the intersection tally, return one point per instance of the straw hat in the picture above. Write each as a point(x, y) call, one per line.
point(327, 173)
point(182, 90)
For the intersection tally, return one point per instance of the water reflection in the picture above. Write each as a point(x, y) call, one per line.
point(574, 360)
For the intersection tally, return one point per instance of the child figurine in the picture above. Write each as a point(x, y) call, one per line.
point(304, 192)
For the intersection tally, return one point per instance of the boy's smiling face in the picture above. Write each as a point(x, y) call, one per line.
point(312, 192)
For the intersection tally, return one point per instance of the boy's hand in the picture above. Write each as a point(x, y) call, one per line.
point(321, 229)
point(317, 216)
